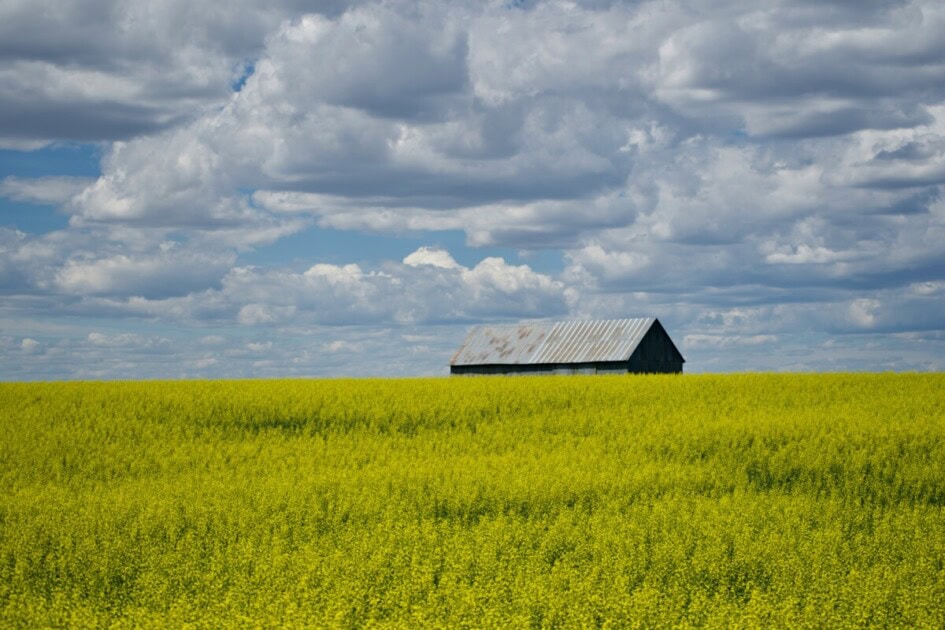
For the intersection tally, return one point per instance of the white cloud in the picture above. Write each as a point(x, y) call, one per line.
point(431, 256)
point(167, 273)
point(428, 287)
point(393, 292)
point(335, 347)
point(593, 261)
point(928, 288)
point(494, 277)
point(94, 70)
point(256, 314)
point(863, 312)
point(777, 72)
point(529, 150)
point(43, 190)
point(30, 346)
point(726, 341)
point(203, 363)
point(125, 340)
point(803, 254)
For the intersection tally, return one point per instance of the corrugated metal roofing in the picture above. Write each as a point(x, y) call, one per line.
point(553, 342)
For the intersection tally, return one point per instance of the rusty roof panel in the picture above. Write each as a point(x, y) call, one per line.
point(553, 342)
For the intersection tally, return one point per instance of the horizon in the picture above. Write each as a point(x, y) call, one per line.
point(187, 193)
point(408, 377)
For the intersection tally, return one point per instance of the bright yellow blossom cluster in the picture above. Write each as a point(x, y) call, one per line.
point(609, 501)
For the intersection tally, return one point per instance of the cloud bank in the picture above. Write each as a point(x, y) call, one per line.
point(766, 179)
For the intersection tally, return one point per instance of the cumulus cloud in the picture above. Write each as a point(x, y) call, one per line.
point(428, 286)
point(862, 312)
point(98, 70)
point(751, 174)
point(261, 314)
point(134, 341)
point(359, 127)
point(784, 71)
point(166, 274)
point(503, 131)
point(43, 190)
point(30, 346)
point(85, 263)
point(432, 257)
point(726, 341)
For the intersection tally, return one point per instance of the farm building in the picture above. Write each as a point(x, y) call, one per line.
point(616, 346)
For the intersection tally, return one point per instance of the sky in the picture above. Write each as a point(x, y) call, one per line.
point(298, 188)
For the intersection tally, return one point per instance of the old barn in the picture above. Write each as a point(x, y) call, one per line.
point(616, 346)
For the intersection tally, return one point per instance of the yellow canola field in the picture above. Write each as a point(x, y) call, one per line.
point(753, 500)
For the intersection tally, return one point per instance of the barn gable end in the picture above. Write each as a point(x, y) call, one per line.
point(656, 353)
point(573, 347)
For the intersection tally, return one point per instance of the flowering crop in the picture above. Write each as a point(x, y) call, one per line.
point(790, 500)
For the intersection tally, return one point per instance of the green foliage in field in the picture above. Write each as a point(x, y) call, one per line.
point(543, 501)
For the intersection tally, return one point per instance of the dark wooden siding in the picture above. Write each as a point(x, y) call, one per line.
point(604, 367)
point(656, 354)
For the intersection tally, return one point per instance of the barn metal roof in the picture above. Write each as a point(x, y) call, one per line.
point(553, 342)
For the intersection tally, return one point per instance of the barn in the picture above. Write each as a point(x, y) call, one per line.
point(615, 346)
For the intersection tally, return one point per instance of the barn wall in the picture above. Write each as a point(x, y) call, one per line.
point(604, 367)
point(656, 354)
point(611, 367)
